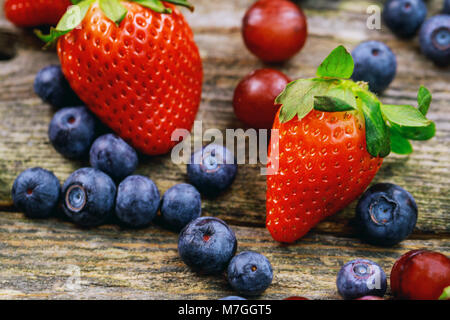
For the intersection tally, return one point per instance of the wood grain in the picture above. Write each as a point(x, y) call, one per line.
point(127, 264)
point(36, 258)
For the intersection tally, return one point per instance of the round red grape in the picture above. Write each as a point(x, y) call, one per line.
point(274, 30)
point(254, 97)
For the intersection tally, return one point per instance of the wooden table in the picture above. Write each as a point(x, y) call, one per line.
point(38, 257)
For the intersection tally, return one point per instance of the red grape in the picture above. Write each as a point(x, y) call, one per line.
point(420, 275)
point(254, 97)
point(274, 30)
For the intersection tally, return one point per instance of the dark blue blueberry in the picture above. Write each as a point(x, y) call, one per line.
point(207, 245)
point(180, 205)
point(435, 39)
point(375, 64)
point(137, 201)
point(359, 278)
point(446, 9)
point(89, 196)
point(250, 273)
point(52, 87)
point(36, 192)
point(212, 169)
point(72, 131)
point(404, 17)
point(232, 298)
point(114, 156)
point(386, 214)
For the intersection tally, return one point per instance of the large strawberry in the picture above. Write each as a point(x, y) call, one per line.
point(135, 65)
point(333, 135)
point(31, 13)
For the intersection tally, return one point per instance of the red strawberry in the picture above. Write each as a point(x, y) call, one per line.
point(327, 157)
point(31, 13)
point(324, 165)
point(141, 75)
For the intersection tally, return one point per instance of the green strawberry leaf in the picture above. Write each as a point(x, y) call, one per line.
point(410, 123)
point(404, 116)
point(377, 133)
point(298, 97)
point(182, 3)
point(399, 144)
point(290, 98)
point(416, 133)
point(339, 64)
point(445, 294)
point(155, 5)
point(76, 1)
point(424, 100)
point(113, 9)
point(331, 104)
point(50, 38)
point(340, 95)
point(69, 21)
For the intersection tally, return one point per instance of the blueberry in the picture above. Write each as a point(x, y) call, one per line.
point(89, 196)
point(446, 9)
point(435, 39)
point(375, 63)
point(232, 298)
point(137, 201)
point(386, 214)
point(207, 244)
point(212, 169)
point(359, 278)
point(114, 156)
point(404, 17)
point(72, 131)
point(180, 205)
point(52, 87)
point(36, 192)
point(250, 273)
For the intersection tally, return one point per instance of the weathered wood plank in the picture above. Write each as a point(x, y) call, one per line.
point(36, 258)
point(24, 118)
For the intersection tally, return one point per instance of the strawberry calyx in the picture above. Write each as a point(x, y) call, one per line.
point(113, 9)
point(388, 127)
